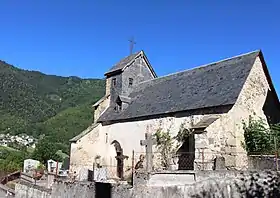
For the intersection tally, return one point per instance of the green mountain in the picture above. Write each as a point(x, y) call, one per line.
point(35, 103)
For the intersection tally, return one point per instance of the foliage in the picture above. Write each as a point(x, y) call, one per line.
point(11, 159)
point(260, 138)
point(41, 167)
point(166, 143)
point(182, 134)
point(67, 124)
point(34, 103)
point(46, 150)
point(17, 146)
point(62, 155)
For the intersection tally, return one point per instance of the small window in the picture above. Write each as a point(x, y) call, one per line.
point(114, 82)
point(130, 81)
point(118, 107)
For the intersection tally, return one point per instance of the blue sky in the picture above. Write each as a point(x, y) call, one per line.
point(85, 38)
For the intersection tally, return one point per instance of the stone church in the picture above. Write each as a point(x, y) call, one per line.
point(213, 100)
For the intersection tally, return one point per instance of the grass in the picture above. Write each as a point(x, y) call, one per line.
point(6, 148)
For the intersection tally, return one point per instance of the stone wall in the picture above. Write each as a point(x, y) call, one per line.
point(249, 103)
point(101, 107)
point(179, 178)
point(221, 184)
point(138, 71)
point(263, 163)
point(82, 154)
point(67, 189)
point(28, 190)
point(228, 130)
point(128, 134)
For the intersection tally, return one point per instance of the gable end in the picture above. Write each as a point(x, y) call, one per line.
point(143, 55)
point(268, 77)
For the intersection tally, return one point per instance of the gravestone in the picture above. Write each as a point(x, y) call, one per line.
point(83, 174)
point(100, 174)
point(148, 143)
point(219, 163)
point(51, 165)
point(29, 165)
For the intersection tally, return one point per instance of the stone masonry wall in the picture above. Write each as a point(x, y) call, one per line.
point(229, 127)
point(101, 107)
point(129, 134)
point(249, 103)
point(81, 155)
point(226, 184)
point(27, 190)
point(108, 86)
point(138, 71)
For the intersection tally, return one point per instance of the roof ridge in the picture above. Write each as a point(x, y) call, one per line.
point(123, 62)
point(201, 66)
point(131, 54)
point(215, 87)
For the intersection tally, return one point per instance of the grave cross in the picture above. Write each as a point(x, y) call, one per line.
point(148, 143)
point(120, 164)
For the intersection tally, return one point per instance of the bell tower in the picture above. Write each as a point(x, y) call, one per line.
point(121, 80)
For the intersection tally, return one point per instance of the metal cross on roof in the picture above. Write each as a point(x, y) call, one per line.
point(132, 42)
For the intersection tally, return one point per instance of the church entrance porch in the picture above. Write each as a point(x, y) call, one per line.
point(186, 154)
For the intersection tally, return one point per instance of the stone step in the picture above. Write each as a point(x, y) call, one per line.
point(166, 179)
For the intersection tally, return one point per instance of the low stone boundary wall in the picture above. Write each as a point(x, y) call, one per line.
point(28, 190)
point(263, 162)
point(222, 183)
point(169, 178)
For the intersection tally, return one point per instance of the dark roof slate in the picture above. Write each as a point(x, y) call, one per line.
point(122, 63)
point(215, 84)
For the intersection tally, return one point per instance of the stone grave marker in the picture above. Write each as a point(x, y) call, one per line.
point(148, 143)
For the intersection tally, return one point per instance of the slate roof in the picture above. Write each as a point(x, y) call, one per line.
point(211, 85)
point(122, 63)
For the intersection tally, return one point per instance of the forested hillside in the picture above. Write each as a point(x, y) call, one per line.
point(35, 104)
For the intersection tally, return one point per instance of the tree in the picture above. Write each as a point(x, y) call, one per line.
point(45, 150)
point(11, 160)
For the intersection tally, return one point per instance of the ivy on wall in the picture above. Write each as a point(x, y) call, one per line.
point(259, 138)
point(164, 144)
point(168, 145)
